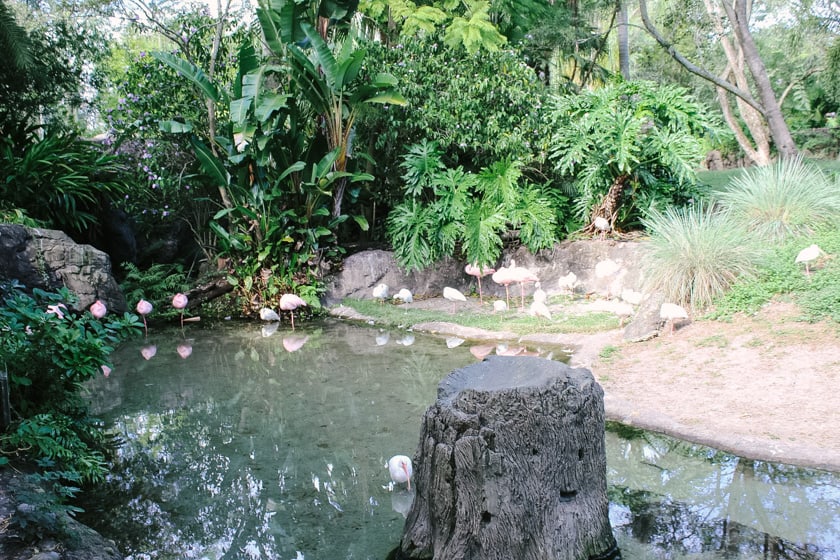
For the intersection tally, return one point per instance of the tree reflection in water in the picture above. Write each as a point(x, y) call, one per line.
point(246, 450)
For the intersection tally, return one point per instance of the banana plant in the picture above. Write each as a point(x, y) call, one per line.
point(333, 85)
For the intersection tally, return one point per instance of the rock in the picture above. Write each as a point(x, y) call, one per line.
point(512, 464)
point(646, 324)
point(49, 259)
point(362, 271)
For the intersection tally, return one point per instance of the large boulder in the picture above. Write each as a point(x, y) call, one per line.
point(362, 271)
point(49, 260)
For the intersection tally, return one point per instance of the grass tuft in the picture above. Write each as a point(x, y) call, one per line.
point(695, 254)
point(787, 199)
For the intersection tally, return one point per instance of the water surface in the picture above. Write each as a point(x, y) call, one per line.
point(243, 443)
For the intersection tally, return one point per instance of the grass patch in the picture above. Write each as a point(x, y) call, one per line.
point(715, 341)
point(609, 353)
point(514, 321)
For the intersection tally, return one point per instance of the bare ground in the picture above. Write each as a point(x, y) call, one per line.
point(765, 387)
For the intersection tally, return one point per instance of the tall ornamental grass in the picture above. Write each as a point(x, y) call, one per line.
point(696, 253)
point(789, 198)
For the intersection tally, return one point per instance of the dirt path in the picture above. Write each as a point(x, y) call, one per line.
point(765, 387)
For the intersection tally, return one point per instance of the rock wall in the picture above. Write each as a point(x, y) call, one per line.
point(605, 268)
point(49, 259)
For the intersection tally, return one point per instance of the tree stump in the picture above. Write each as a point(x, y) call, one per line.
point(511, 464)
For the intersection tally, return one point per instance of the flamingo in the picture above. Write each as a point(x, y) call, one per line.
point(294, 343)
point(540, 309)
point(670, 312)
point(479, 272)
point(98, 309)
point(807, 255)
point(179, 302)
point(290, 302)
point(399, 466)
point(267, 314)
point(522, 275)
point(380, 292)
point(148, 352)
point(144, 308)
point(503, 277)
point(602, 225)
point(453, 295)
point(539, 294)
point(184, 350)
point(404, 295)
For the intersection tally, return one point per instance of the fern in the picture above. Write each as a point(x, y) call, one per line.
point(421, 163)
point(156, 284)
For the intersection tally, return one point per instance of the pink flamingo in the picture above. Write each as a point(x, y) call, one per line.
point(98, 309)
point(184, 350)
point(290, 302)
point(522, 275)
point(144, 308)
point(294, 343)
point(503, 277)
point(179, 302)
point(479, 272)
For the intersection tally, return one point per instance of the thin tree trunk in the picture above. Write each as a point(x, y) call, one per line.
point(623, 40)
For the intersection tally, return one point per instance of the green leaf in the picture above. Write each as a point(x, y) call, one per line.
point(193, 73)
point(174, 127)
point(363, 223)
point(210, 164)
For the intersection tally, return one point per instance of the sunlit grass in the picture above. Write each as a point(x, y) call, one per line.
point(514, 320)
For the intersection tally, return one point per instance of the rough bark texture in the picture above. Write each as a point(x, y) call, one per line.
point(511, 464)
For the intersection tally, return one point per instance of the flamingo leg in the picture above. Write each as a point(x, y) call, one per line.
point(522, 293)
point(292, 314)
point(480, 297)
point(507, 296)
point(145, 327)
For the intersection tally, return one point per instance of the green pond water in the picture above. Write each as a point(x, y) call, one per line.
point(241, 443)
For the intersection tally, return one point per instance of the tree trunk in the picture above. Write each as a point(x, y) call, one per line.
point(623, 40)
point(737, 13)
point(512, 464)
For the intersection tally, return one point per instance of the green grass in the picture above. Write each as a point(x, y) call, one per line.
point(513, 321)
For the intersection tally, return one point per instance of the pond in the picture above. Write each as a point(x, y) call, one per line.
point(243, 443)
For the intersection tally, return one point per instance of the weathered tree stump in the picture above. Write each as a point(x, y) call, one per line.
point(511, 464)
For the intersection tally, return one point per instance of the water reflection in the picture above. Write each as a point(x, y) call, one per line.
point(274, 446)
point(693, 501)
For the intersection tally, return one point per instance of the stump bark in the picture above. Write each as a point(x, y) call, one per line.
point(511, 464)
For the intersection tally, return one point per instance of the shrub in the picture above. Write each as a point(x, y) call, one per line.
point(49, 351)
point(786, 199)
point(696, 253)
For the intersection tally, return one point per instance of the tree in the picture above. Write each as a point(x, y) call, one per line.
point(732, 22)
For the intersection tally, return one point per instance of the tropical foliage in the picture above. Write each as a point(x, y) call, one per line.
point(627, 149)
point(476, 108)
point(58, 181)
point(449, 211)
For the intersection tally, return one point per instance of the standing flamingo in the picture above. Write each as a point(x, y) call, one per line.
point(179, 302)
point(503, 277)
point(399, 466)
point(523, 276)
point(290, 302)
point(479, 272)
point(144, 308)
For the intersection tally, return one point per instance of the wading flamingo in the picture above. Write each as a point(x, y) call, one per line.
point(290, 302)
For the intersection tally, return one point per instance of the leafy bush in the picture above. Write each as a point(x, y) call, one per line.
point(696, 253)
point(449, 209)
point(478, 109)
point(627, 148)
point(786, 199)
point(49, 351)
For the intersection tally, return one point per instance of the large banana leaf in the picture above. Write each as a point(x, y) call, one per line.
point(194, 74)
point(210, 164)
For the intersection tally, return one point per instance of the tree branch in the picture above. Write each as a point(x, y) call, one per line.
point(690, 66)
